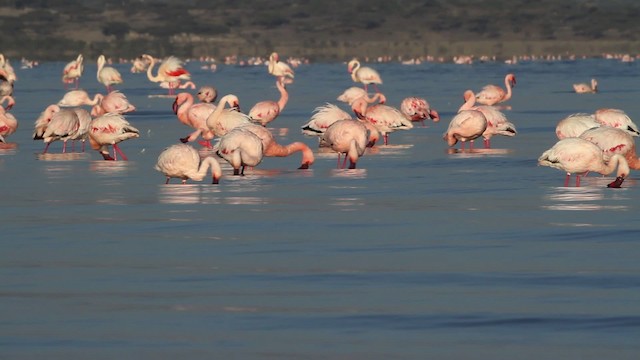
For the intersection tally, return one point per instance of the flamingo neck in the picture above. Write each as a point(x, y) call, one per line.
point(96, 99)
point(284, 95)
point(632, 158)
point(277, 150)
point(619, 162)
point(470, 101)
point(150, 75)
point(507, 84)
point(183, 110)
point(208, 162)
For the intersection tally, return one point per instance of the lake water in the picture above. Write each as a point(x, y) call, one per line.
point(420, 253)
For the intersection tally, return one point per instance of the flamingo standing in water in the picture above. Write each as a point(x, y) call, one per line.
point(583, 88)
point(266, 111)
point(364, 74)
point(351, 94)
point(207, 94)
point(63, 126)
point(187, 85)
point(418, 109)
point(43, 121)
point(347, 137)
point(618, 119)
point(278, 68)
point(614, 141)
point(575, 124)
point(467, 125)
point(327, 114)
point(84, 118)
point(273, 149)
point(222, 120)
point(107, 75)
point(240, 148)
point(114, 102)
point(182, 161)
point(73, 71)
point(110, 129)
point(497, 123)
point(8, 124)
point(579, 156)
point(195, 116)
point(74, 98)
point(170, 70)
point(385, 118)
point(493, 94)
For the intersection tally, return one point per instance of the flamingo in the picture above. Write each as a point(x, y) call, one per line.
point(418, 109)
point(74, 98)
point(186, 85)
point(6, 70)
point(139, 65)
point(364, 74)
point(273, 149)
point(575, 124)
point(107, 75)
point(195, 116)
point(492, 94)
point(63, 126)
point(9, 100)
point(467, 125)
point(43, 121)
point(82, 133)
point(385, 118)
point(579, 156)
point(6, 87)
point(240, 148)
point(617, 118)
point(583, 88)
point(351, 94)
point(8, 124)
point(614, 141)
point(278, 68)
point(171, 71)
point(207, 94)
point(327, 114)
point(73, 71)
point(497, 123)
point(110, 129)
point(347, 137)
point(183, 161)
point(222, 120)
point(114, 102)
point(266, 111)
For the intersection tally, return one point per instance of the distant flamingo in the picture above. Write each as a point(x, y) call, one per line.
point(170, 70)
point(266, 111)
point(497, 123)
point(207, 94)
point(364, 74)
point(114, 102)
point(72, 72)
point(467, 125)
point(63, 126)
point(351, 94)
point(8, 124)
point(110, 129)
point(240, 148)
point(107, 75)
point(347, 137)
point(492, 94)
point(618, 119)
point(78, 98)
point(579, 156)
point(273, 149)
point(139, 65)
point(583, 88)
point(575, 124)
point(278, 68)
point(182, 161)
point(195, 116)
point(222, 120)
point(614, 141)
point(418, 109)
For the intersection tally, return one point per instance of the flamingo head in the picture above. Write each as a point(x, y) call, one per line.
point(616, 183)
point(381, 98)
point(511, 79)
point(180, 99)
point(352, 65)
point(468, 95)
point(433, 114)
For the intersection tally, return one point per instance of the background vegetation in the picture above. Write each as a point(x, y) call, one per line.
point(323, 30)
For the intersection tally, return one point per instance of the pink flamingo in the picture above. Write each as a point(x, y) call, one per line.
point(78, 98)
point(182, 161)
point(583, 88)
point(273, 149)
point(385, 118)
point(82, 133)
point(492, 94)
point(63, 126)
point(177, 85)
point(575, 124)
point(327, 114)
point(207, 94)
point(110, 129)
point(467, 125)
point(114, 102)
point(497, 123)
point(222, 120)
point(579, 156)
point(240, 148)
point(43, 121)
point(618, 119)
point(347, 137)
point(170, 70)
point(266, 111)
point(351, 94)
point(614, 141)
point(9, 100)
point(8, 124)
point(73, 71)
point(107, 75)
point(418, 109)
point(364, 74)
point(278, 68)
point(195, 116)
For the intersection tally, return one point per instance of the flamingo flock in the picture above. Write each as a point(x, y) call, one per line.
point(602, 141)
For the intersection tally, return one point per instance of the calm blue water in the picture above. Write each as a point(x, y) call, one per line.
point(418, 253)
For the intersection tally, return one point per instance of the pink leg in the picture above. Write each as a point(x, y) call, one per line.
point(344, 162)
point(46, 148)
point(64, 147)
point(386, 139)
point(566, 180)
point(117, 148)
point(487, 143)
point(577, 180)
point(82, 145)
point(376, 87)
